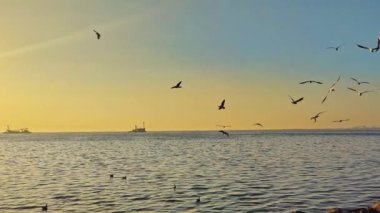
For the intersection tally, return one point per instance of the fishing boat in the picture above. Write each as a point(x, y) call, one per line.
point(16, 131)
point(139, 129)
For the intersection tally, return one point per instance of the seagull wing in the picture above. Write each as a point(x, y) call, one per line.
point(378, 43)
point(323, 101)
point(366, 92)
point(361, 46)
point(304, 82)
point(291, 98)
point(364, 82)
point(352, 89)
point(300, 99)
point(320, 113)
point(354, 79)
point(318, 82)
point(224, 101)
point(179, 84)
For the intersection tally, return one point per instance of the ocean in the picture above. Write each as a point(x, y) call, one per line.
point(250, 171)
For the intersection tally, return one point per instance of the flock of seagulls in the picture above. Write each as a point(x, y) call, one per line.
point(330, 91)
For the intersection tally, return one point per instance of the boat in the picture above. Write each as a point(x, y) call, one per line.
point(16, 131)
point(139, 129)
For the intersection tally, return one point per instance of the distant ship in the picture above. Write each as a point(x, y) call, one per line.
point(137, 129)
point(16, 131)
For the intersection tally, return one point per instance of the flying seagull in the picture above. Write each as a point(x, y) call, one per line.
point(336, 48)
point(315, 117)
point(295, 101)
point(331, 90)
point(97, 34)
point(359, 82)
point(258, 124)
point(177, 86)
point(223, 126)
point(224, 133)
point(341, 120)
point(371, 49)
point(221, 106)
point(310, 82)
point(359, 93)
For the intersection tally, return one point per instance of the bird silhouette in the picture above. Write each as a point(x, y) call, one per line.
point(331, 89)
point(258, 124)
point(44, 208)
point(310, 82)
point(177, 86)
point(97, 34)
point(358, 92)
point(111, 175)
point(295, 101)
point(371, 49)
point(341, 120)
point(223, 126)
point(315, 117)
point(221, 106)
point(336, 48)
point(359, 82)
point(225, 133)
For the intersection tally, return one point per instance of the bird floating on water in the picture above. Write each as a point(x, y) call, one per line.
point(359, 82)
point(44, 208)
point(315, 117)
point(371, 49)
point(221, 106)
point(97, 34)
point(225, 133)
point(198, 199)
point(295, 101)
point(331, 89)
point(174, 187)
point(310, 82)
point(111, 175)
point(124, 177)
point(177, 86)
point(358, 92)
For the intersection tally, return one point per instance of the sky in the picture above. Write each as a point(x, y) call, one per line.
point(56, 76)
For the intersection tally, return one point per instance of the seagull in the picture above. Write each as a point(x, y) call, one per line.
point(258, 124)
point(316, 116)
point(371, 49)
point(124, 177)
point(177, 86)
point(97, 34)
point(44, 208)
point(225, 133)
point(111, 175)
point(341, 120)
point(310, 82)
point(336, 48)
point(359, 93)
point(331, 90)
point(221, 106)
point(174, 187)
point(223, 126)
point(198, 199)
point(360, 82)
point(295, 101)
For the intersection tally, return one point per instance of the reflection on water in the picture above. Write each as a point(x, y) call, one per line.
point(249, 171)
